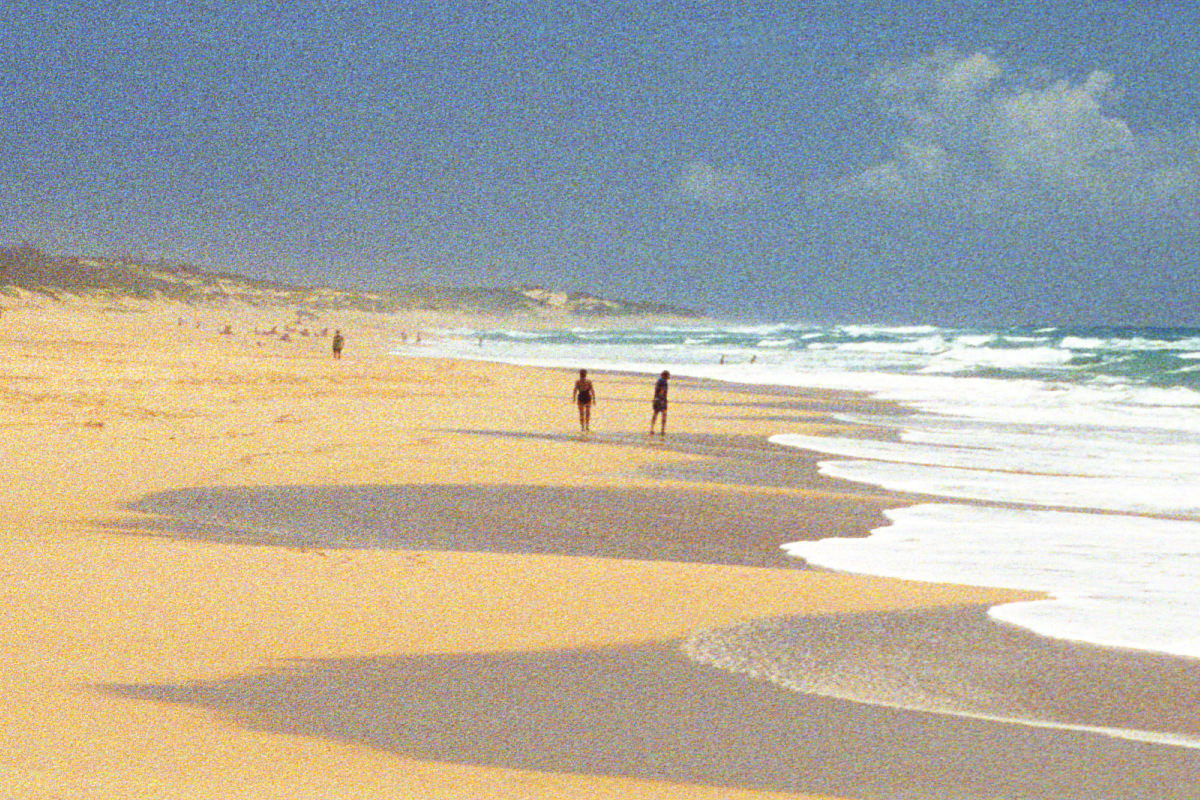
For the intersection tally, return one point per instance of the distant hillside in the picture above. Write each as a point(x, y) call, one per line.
point(28, 268)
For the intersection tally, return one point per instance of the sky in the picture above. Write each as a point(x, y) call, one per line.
point(851, 161)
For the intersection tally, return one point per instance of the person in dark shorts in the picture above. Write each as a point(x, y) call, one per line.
point(660, 403)
point(339, 342)
point(584, 397)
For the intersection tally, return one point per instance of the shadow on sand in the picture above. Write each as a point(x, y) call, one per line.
point(649, 712)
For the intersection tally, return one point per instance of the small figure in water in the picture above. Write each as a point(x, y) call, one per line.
point(660, 403)
point(339, 342)
point(584, 397)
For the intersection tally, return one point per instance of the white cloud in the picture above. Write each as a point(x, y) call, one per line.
point(918, 166)
point(1061, 136)
point(706, 184)
point(970, 74)
point(968, 135)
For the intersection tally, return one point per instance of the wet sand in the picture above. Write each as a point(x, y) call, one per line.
point(959, 661)
point(674, 524)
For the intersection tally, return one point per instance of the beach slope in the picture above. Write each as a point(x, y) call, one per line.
point(236, 567)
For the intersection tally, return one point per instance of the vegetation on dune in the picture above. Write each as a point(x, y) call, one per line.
point(28, 268)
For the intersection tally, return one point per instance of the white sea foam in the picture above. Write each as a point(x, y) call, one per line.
point(976, 340)
point(1099, 594)
point(876, 330)
point(962, 359)
point(1143, 496)
point(925, 346)
point(1082, 343)
point(1096, 471)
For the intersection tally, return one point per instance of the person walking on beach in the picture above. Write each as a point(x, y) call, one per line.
point(584, 397)
point(339, 342)
point(660, 403)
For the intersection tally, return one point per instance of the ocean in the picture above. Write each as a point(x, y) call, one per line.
point(1078, 450)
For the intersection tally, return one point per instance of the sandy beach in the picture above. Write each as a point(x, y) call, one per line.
point(235, 567)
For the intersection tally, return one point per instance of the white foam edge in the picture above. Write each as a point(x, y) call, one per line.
point(1128, 734)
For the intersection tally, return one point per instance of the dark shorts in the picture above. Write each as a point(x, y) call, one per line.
point(660, 405)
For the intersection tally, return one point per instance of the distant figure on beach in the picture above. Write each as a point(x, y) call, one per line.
point(339, 342)
point(584, 397)
point(660, 403)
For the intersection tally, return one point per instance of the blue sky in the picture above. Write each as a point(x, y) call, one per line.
point(940, 162)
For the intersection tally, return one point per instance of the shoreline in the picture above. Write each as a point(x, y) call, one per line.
point(317, 517)
point(162, 666)
point(310, 516)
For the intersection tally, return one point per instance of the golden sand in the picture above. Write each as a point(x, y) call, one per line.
point(104, 404)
